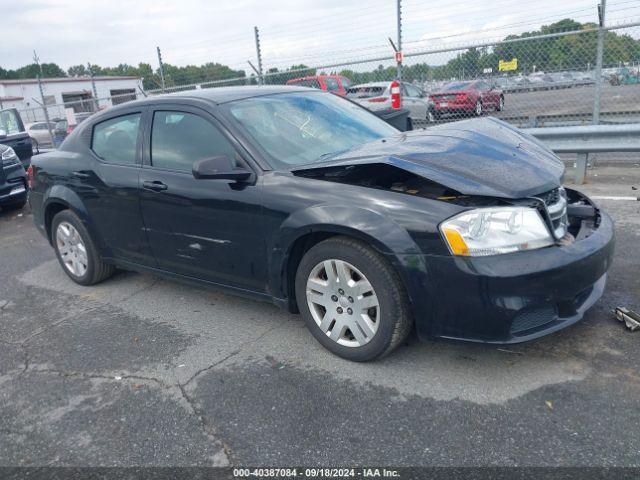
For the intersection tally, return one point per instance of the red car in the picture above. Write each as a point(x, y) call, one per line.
point(329, 83)
point(467, 98)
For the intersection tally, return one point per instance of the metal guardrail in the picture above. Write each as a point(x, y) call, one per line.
point(584, 140)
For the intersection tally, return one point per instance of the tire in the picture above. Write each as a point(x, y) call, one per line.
point(34, 145)
point(91, 268)
point(431, 116)
point(392, 320)
point(500, 106)
point(477, 111)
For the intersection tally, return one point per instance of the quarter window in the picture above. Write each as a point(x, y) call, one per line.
point(179, 139)
point(115, 140)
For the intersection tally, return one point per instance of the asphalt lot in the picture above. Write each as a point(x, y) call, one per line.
point(142, 371)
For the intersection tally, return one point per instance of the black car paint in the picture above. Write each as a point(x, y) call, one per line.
point(20, 142)
point(11, 176)
point(245, 236)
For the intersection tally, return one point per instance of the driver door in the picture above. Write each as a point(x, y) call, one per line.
point(208, 229)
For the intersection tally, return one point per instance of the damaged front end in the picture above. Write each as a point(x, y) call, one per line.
point(568, 214)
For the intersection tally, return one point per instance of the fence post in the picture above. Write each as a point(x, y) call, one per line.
point(581, 168)
point(93, 87)
point(599, 54)
point(259, 54)
point(161, 69)
point(44, 108)
point(399, 15)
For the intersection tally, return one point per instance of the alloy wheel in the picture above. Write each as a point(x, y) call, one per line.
point(343, 303)
point(478, 108)
point(72, 249)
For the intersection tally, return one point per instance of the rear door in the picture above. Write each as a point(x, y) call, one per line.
point(108, 185)
point(202, 228)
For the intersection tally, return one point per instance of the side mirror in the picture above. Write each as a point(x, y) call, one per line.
point(219, 168)
point(3, 134)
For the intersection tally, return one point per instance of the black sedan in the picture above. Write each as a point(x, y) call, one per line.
point(304, 199)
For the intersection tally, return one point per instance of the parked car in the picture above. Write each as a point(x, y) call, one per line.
point(39, 133)
point(13, 180)
point(377, 96)
point(467, 98)
point(336, 84)
point(63, 127)
point(60, 132)
point(13, 134)
point(306, 200)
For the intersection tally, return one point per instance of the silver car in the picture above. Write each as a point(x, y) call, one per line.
point(39, 133)
point(377, 96)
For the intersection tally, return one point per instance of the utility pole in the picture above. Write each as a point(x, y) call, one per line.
point(161, 69)
point(93, 87)
point(599, 55)
point(44, 108)
point(399, 58)
point(259, 54)
point(36, 60)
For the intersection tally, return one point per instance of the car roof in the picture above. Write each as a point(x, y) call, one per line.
point(217, 95)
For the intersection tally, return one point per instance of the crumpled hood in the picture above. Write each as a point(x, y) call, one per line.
point(474, 157)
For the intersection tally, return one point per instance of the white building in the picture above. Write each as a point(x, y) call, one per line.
point(61, 93)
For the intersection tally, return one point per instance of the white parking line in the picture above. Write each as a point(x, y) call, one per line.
point(596, 197)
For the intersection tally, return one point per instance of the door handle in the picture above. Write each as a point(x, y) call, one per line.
point(80, 174)
point(156, 185)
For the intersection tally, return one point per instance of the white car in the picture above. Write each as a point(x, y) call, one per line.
point(39, 133)
point(377, 96)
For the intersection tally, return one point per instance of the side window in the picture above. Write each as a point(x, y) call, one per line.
point(332, 84)
point(115, 140)
point(178, 139)
point(413, 91)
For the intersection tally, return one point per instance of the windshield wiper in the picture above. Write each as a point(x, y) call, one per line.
point(328, 155)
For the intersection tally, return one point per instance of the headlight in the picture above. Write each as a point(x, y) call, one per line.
point(9, 157)
point(492, 231)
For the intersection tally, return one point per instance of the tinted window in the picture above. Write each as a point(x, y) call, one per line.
point(115, 140)
point(179, 139)
point(332, 84)
point(346, 83)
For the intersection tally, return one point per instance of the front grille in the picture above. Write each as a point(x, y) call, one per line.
point(534, 318)
point(555, 202)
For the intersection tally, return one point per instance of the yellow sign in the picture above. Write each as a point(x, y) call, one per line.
point(504, 65)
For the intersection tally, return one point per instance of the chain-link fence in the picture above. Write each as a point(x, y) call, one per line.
point(567, 74)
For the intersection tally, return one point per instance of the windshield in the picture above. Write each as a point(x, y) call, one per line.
point(301, 128)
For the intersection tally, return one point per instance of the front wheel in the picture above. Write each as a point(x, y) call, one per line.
point(76, 251)
point(500, 106)
point(352, 300)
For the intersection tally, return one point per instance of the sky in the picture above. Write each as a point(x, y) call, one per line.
point(313, 32)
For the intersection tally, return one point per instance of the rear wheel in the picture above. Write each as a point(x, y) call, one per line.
point(500, 106)
point(431, 116)
point(35, 145)
point(76, 250)
point(352, 300)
